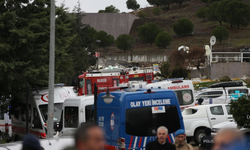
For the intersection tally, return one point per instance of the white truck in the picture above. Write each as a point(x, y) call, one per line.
point(75, 111)
point(198, 118)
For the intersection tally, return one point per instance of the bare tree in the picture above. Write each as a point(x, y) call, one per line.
point(189, 58)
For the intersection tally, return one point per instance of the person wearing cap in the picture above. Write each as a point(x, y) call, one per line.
point(180, 142)
point(161, 142)
point(207, 141)
point(30, 142)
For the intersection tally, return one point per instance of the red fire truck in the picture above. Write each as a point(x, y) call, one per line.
point(112, 78)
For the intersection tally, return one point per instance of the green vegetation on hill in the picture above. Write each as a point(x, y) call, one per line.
point(203, 29)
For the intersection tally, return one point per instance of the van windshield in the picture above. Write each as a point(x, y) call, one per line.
point(144, 121)
point(185, 97)
point(57, 112)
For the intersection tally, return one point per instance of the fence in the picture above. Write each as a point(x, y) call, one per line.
point(230, 57)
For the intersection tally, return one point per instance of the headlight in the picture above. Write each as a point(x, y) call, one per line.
point(215, 130)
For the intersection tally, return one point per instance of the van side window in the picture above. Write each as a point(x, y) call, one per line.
point(211, 94)
point(142, 122)
point(71, 117)
point(88, 112)
point(235, 91)
point(217, 110)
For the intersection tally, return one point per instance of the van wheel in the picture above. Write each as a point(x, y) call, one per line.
point(198, 135)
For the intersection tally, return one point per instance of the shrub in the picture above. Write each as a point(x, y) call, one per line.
point(142, 14)
point(183, 27)
point(163, 40)
point(157, 11)
point(221, 33)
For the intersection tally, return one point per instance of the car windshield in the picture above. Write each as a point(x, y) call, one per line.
point(185, 97)
point(144, 121)
point(57, 112)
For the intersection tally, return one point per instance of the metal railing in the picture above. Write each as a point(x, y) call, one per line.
point(230, 57)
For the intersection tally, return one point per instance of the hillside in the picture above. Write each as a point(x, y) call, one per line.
point(202, 31)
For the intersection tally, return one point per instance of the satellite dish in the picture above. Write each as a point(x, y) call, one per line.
point(212, 40)
point(208, 50)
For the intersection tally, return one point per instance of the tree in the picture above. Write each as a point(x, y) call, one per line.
point(125, 42)
point(183, 27)
point(180, 2)
point(110, 9)
point(142, 14)
point(105, 38)
point(165, 2)
point(165, 69)
point(201, 13)
point(195, 56)
point(82, 46)
point(24, 44)
point(221, 33)
point(215, 11)
point(148, 32)
point(240, 111)
point(176, 72)
point(157, 11)
point(163, 40)
point(132, 4)
point(237, 13)
point(153, 2)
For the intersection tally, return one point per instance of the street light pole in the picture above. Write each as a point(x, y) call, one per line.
point(50, 123)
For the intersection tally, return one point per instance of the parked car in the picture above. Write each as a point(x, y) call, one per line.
point(198, 118)
point(232, 125)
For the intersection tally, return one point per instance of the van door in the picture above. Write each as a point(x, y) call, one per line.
point(216, 114)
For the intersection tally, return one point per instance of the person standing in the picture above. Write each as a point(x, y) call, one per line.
point(161, 142)
point(180, 141)
point(207, 141)
point(88, 137)
point(30, 142)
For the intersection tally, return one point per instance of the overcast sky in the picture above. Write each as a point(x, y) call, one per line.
point(93, 6)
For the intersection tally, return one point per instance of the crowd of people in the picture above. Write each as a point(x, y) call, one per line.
point(91, 137)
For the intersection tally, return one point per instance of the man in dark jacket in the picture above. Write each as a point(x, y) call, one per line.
point(161, 142)
point(207, 141)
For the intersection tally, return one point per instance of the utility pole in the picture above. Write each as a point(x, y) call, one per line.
point(50, 123)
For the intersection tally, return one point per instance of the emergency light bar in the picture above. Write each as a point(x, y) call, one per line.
point(179, 81)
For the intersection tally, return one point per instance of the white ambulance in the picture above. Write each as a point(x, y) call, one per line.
point(38, 112)
point(183, 89)
point(75, 111)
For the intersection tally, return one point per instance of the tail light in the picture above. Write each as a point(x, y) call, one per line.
point(6, 127)
point(121, 143)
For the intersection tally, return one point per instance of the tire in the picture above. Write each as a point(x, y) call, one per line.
point(198, 135)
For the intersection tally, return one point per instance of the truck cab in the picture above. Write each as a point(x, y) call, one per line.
point(132, 118)
point(75, 111)
point(197, 118)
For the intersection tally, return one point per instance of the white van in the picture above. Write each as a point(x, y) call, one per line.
point(38, 112)
point(183, 89)
point(221, 96)
point(75, 111)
